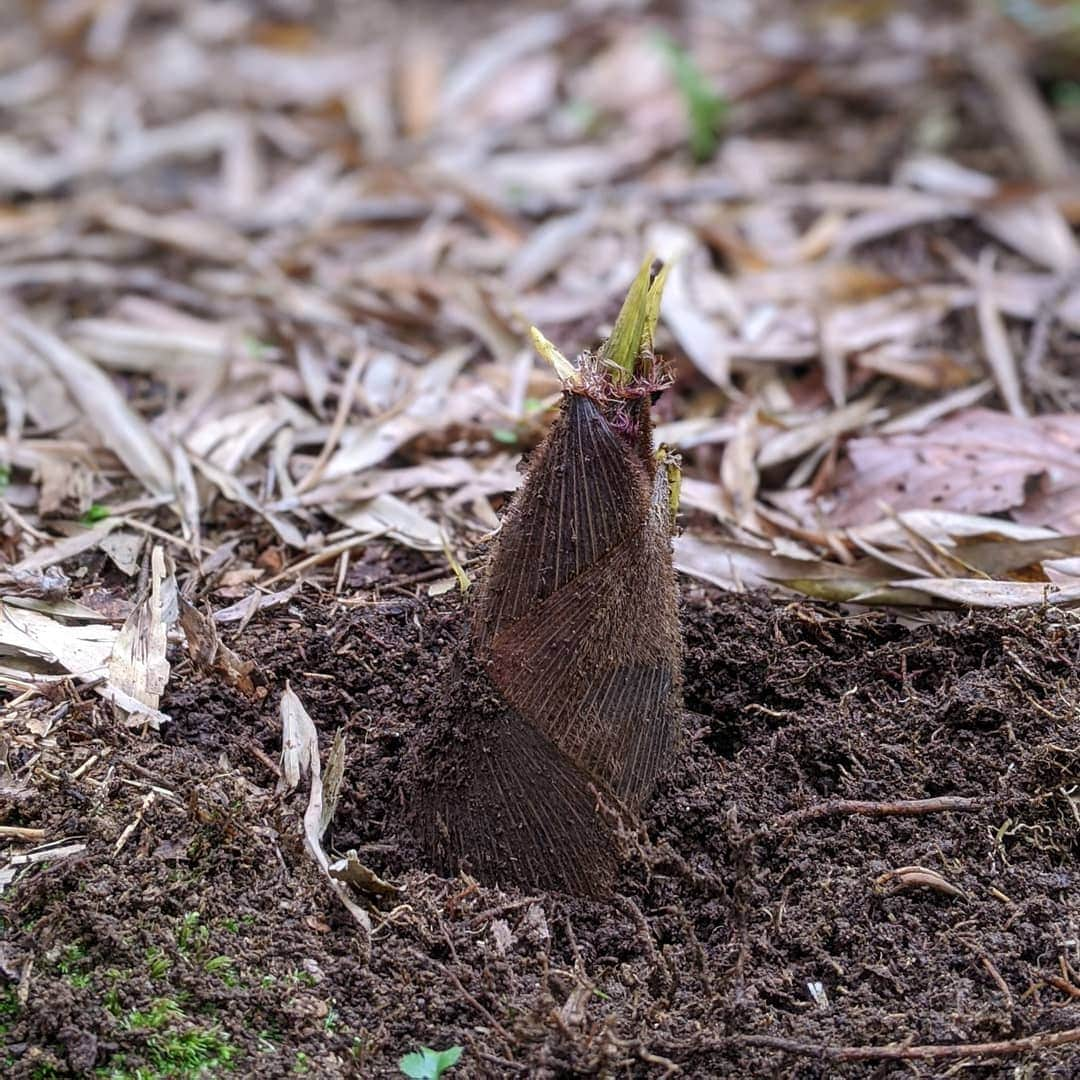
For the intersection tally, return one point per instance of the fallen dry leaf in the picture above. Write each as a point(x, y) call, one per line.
point(137, 665)
point(978, 462)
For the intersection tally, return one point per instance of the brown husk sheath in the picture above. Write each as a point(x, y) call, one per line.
point(569, 696)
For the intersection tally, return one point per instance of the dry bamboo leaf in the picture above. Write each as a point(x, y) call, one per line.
point(335, 774)
point(997, 555)
point(977, 461)
point(482, 63)
point(549, 247)
point(120, 428)
point(1037, 229)
point(177, 354)
point(981, 593)
point(242, 611)
point(69, 610)
point(800, 438)
point(210, 653)
point(137, 666)
point(299, 741)
point(65, 549)
point(739, 567)
point(372, 443)
point(999, 353)
point(855, 591)
point(234, 490)
point(738, 472)
point(923, 417)
point(187, 496)
point(695, 332)
point(943, 526)
point(124, 546)
point(450, 472)
point(997, 62)
point(904, 315)
point(352, 870)
point(299, 757)
point(925, 367)
point(83, 651)
point(695, 431)
point(387, 515)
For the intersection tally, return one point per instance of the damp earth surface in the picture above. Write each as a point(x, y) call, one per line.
point(208, 941)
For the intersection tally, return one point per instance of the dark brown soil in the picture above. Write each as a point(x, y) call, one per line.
point(722, 918)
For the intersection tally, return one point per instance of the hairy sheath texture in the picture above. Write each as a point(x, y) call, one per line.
point(570, 695)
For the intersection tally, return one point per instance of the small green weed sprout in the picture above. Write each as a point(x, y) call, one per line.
point(706, 110)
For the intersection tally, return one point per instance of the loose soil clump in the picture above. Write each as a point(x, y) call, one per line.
point(759, 897)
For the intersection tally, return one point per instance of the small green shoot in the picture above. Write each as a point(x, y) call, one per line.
point(428, 1064)
point(622, 348)
point(5, 478)
point(1065, 94)
point(159, 1014)
point(706, 110)
point(257, 349)
point(94, 514)
point(508, 436)
point(194, 1053)
point(269, 1041)
point(157, 963)
point(224, 967)
point(191, 933)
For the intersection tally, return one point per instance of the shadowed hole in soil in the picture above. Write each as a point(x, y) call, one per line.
point(211, 924)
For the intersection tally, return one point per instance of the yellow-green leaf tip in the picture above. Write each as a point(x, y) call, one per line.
point(565, 371)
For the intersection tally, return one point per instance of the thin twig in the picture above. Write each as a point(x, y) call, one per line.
point(345, 403)
point(1032, 366)
point(17, 832)
point(899, 808)
point(1045, 1041)
point(452, 976)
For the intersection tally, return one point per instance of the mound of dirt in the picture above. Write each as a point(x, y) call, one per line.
point(762, 897)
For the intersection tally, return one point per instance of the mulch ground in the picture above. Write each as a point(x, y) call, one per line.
point(756, 899)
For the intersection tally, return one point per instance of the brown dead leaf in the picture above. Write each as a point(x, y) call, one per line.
point(210, 653)
point(977, 461)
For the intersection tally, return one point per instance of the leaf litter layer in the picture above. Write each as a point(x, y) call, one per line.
point(275, 320)
point(760, 896)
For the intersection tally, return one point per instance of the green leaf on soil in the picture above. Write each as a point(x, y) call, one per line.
point(428, 1064)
